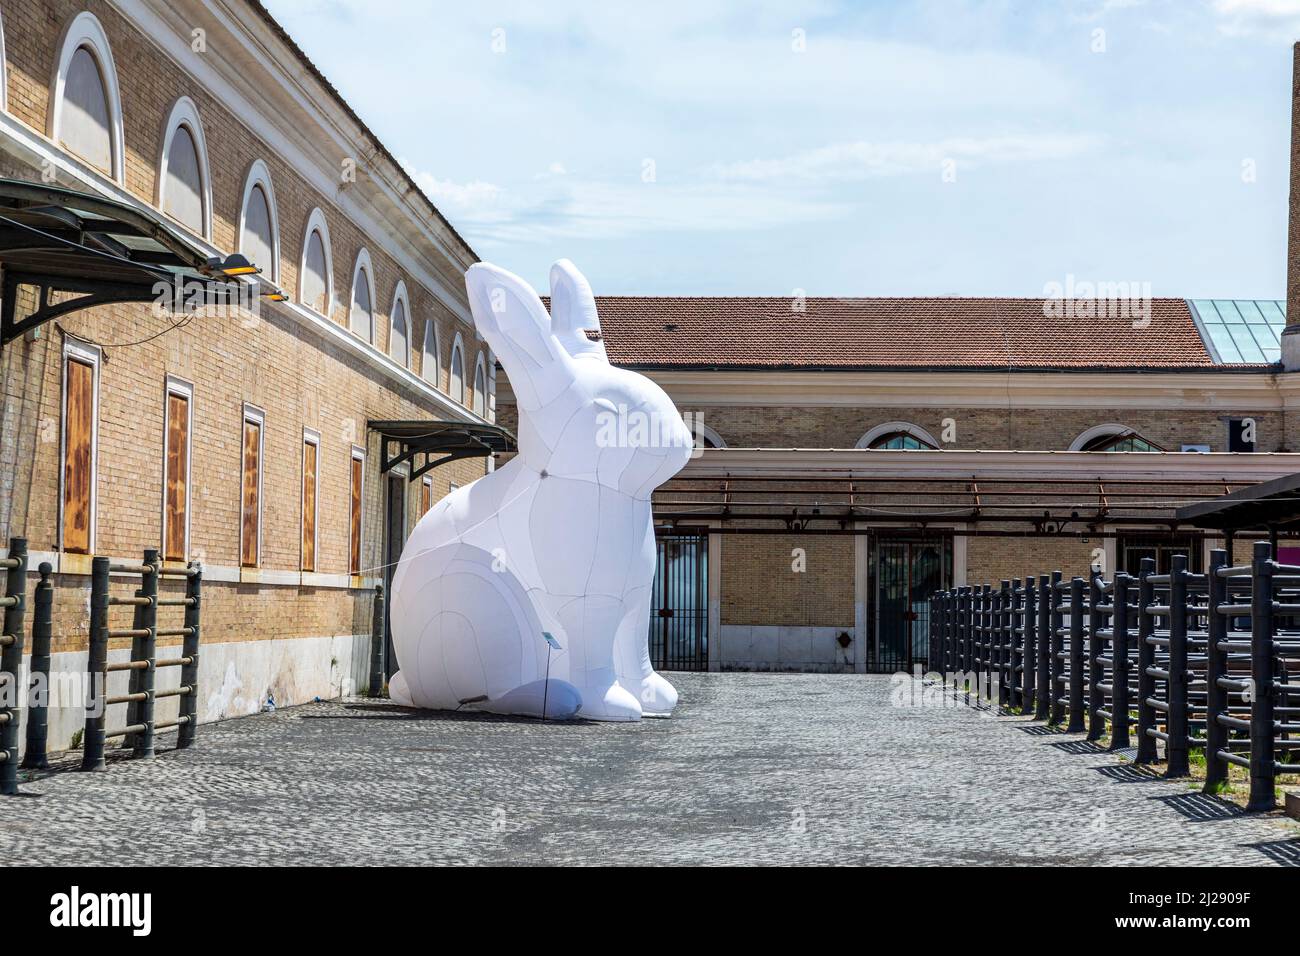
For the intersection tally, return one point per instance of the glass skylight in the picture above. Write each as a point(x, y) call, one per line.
point(1241, 331)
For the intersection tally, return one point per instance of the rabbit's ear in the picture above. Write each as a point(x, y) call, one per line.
point(574, 321)
point(508, 313)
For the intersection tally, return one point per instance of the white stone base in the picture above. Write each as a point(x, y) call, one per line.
point(763, 647)
point(235, 679)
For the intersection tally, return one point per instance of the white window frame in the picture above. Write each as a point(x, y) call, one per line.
point(4, 71)
point(1100, 431)
point(90, 354)
point(399, 295)
point(186, 113)
point(316, 223)
point(310, 436)
point(431, 329)
point(363, 263)
point(251, 413)
point(358, 454)
point(480, 367)
point(457, 345)
point(85, 30)
point(260, 175)
point(178, 386)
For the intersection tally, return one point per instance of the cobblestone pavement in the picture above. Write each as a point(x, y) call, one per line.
point(755, 768)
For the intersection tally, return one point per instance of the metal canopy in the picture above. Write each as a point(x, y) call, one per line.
point(1271, 504)
point(62, 241)
point(428, 444)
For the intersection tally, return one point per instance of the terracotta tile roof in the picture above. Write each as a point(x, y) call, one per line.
point(741, 332)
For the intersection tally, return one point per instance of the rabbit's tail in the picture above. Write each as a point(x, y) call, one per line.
point(398, 692)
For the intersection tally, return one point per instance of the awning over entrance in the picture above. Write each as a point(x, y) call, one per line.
point(428, 444)
point(1271, 505)
point(76, 250)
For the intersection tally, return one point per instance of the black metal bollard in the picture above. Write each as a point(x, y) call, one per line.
point(38, 711)
point(1029, 646)
point(1096, 701)
point(1146, 745)
point(92, 757)
point(1043, 681)
point(1015, 695)
point(1176, 755)
point(964, 641)
point(1076, 656)
point(1216, 669)
point(1262, 771)
point(1003, 634)
point(190, 651)
point(1119, 671)
point(1057, 664)
point(11, 661)
point(377, 644)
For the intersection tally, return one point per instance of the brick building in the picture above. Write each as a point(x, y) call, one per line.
point(241, 438)
point(861, 453)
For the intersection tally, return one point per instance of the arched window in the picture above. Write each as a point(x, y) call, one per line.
point(316, 271)
point(480, 387)
point(183, 184)
point(259, 224)
point(399, 346)
point(429, 359)
point(705, 436)
point(361, 316)
point(86, 111)
point(1113, 437)
point(898, 436)
point(456, 386)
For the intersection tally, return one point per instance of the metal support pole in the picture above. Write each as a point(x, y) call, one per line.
point(1146, 745)
point(1262, 772)
point(11, 662)
point(1029, 646)
point(1058, 645)
point(144, 744)
point(190, 650)
point(1043, 680)
point(92, 757)
point(964, 639)
point(1076, 656)
point(1096, 701)
point(1014, 689)
point(1003, 635)
point(1177, 764)
point(38, 713)
point(377, 644)
point(1120, 624)
point(1216, 669)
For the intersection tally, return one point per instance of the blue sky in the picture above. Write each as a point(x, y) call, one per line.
point(950, 147)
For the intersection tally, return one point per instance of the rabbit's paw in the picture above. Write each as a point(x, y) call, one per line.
point(656, 695)
point(613, 704)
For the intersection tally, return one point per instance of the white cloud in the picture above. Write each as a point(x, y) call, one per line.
point(850, 161)
point(1279, 19)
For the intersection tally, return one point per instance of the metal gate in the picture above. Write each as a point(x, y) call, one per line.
point(679, 603)
point(906, 571)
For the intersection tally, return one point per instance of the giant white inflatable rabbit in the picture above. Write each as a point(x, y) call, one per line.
point(559, 540)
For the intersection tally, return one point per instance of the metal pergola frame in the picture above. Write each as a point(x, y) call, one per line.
point(837, 503)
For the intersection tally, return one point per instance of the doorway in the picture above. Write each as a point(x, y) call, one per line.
point(679, 603)
point(906, 571)
point(394, 541)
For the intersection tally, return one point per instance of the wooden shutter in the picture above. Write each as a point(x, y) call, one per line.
point(251, 516)
point(176, 504)
point(78, 460)
point(426, 498)
point(309, 506)
point(354, 550)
